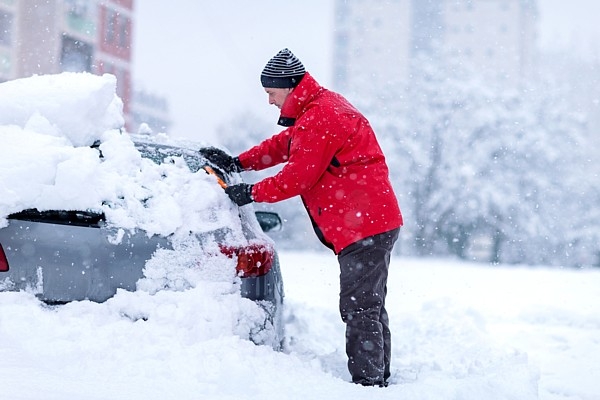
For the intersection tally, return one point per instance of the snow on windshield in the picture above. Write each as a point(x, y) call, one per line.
point(47, 125)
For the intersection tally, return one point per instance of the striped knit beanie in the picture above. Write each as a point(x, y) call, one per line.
point(282, 71)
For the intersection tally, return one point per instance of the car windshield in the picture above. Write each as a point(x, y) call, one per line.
point(161, 153)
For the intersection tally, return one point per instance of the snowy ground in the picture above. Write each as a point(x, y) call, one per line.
point(460, 331)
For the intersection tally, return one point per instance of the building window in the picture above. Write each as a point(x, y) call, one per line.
point(76, 55)
point(123, 31)
point(6, 22)
point(77, 8)
point(110, 26)
point(117, 29)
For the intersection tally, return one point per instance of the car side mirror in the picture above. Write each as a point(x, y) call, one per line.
point(269, 221)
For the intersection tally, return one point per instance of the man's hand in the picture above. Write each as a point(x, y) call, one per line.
point(221, 160)
point(240, 194)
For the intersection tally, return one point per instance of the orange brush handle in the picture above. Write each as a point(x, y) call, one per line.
point(211, 171)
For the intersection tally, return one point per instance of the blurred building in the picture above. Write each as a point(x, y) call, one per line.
point(375, 41)
point(149, 109)
point(53, 36)
point(497, 37)
point(371, 44)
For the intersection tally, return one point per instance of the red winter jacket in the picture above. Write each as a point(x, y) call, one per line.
point(333, 162)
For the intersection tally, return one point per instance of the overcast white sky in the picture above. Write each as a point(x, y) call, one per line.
point(206, 57)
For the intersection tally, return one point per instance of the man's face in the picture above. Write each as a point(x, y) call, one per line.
point(277, 96)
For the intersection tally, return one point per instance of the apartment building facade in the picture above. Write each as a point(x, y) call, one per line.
point(497, 37)
point(149, 113)
point(371, 44)
point(376, 41)
point(54, 36)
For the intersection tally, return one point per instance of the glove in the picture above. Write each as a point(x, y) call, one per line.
point(221, 160)
point(240, 194)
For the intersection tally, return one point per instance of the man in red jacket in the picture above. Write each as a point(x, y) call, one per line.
point(334, 163)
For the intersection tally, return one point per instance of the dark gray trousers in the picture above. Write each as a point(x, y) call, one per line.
point(363, 287)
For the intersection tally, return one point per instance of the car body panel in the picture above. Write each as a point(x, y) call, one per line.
point(61, 262)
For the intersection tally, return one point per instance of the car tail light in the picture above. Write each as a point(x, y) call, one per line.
point(252, 261)
point(3, 260)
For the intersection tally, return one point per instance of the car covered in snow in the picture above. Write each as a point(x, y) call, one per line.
point(87, 210)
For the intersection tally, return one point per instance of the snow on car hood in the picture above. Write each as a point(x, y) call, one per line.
point(47, 124)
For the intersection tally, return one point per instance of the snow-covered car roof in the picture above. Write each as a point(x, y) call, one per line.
point(47, 127)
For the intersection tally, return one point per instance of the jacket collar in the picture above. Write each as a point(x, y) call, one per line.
point(296, 102)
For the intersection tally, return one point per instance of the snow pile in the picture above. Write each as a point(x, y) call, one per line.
point(458, 332)
point(47, 124)
point(76, 106)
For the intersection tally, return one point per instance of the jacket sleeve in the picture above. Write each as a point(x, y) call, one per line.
point(268, 153)
point(312, 149)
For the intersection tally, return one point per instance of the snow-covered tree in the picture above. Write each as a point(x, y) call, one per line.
point(477, 160)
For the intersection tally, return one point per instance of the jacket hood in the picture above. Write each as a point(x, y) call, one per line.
point(295, 103)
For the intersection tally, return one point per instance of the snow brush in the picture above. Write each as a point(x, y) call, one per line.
point(212, 172)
